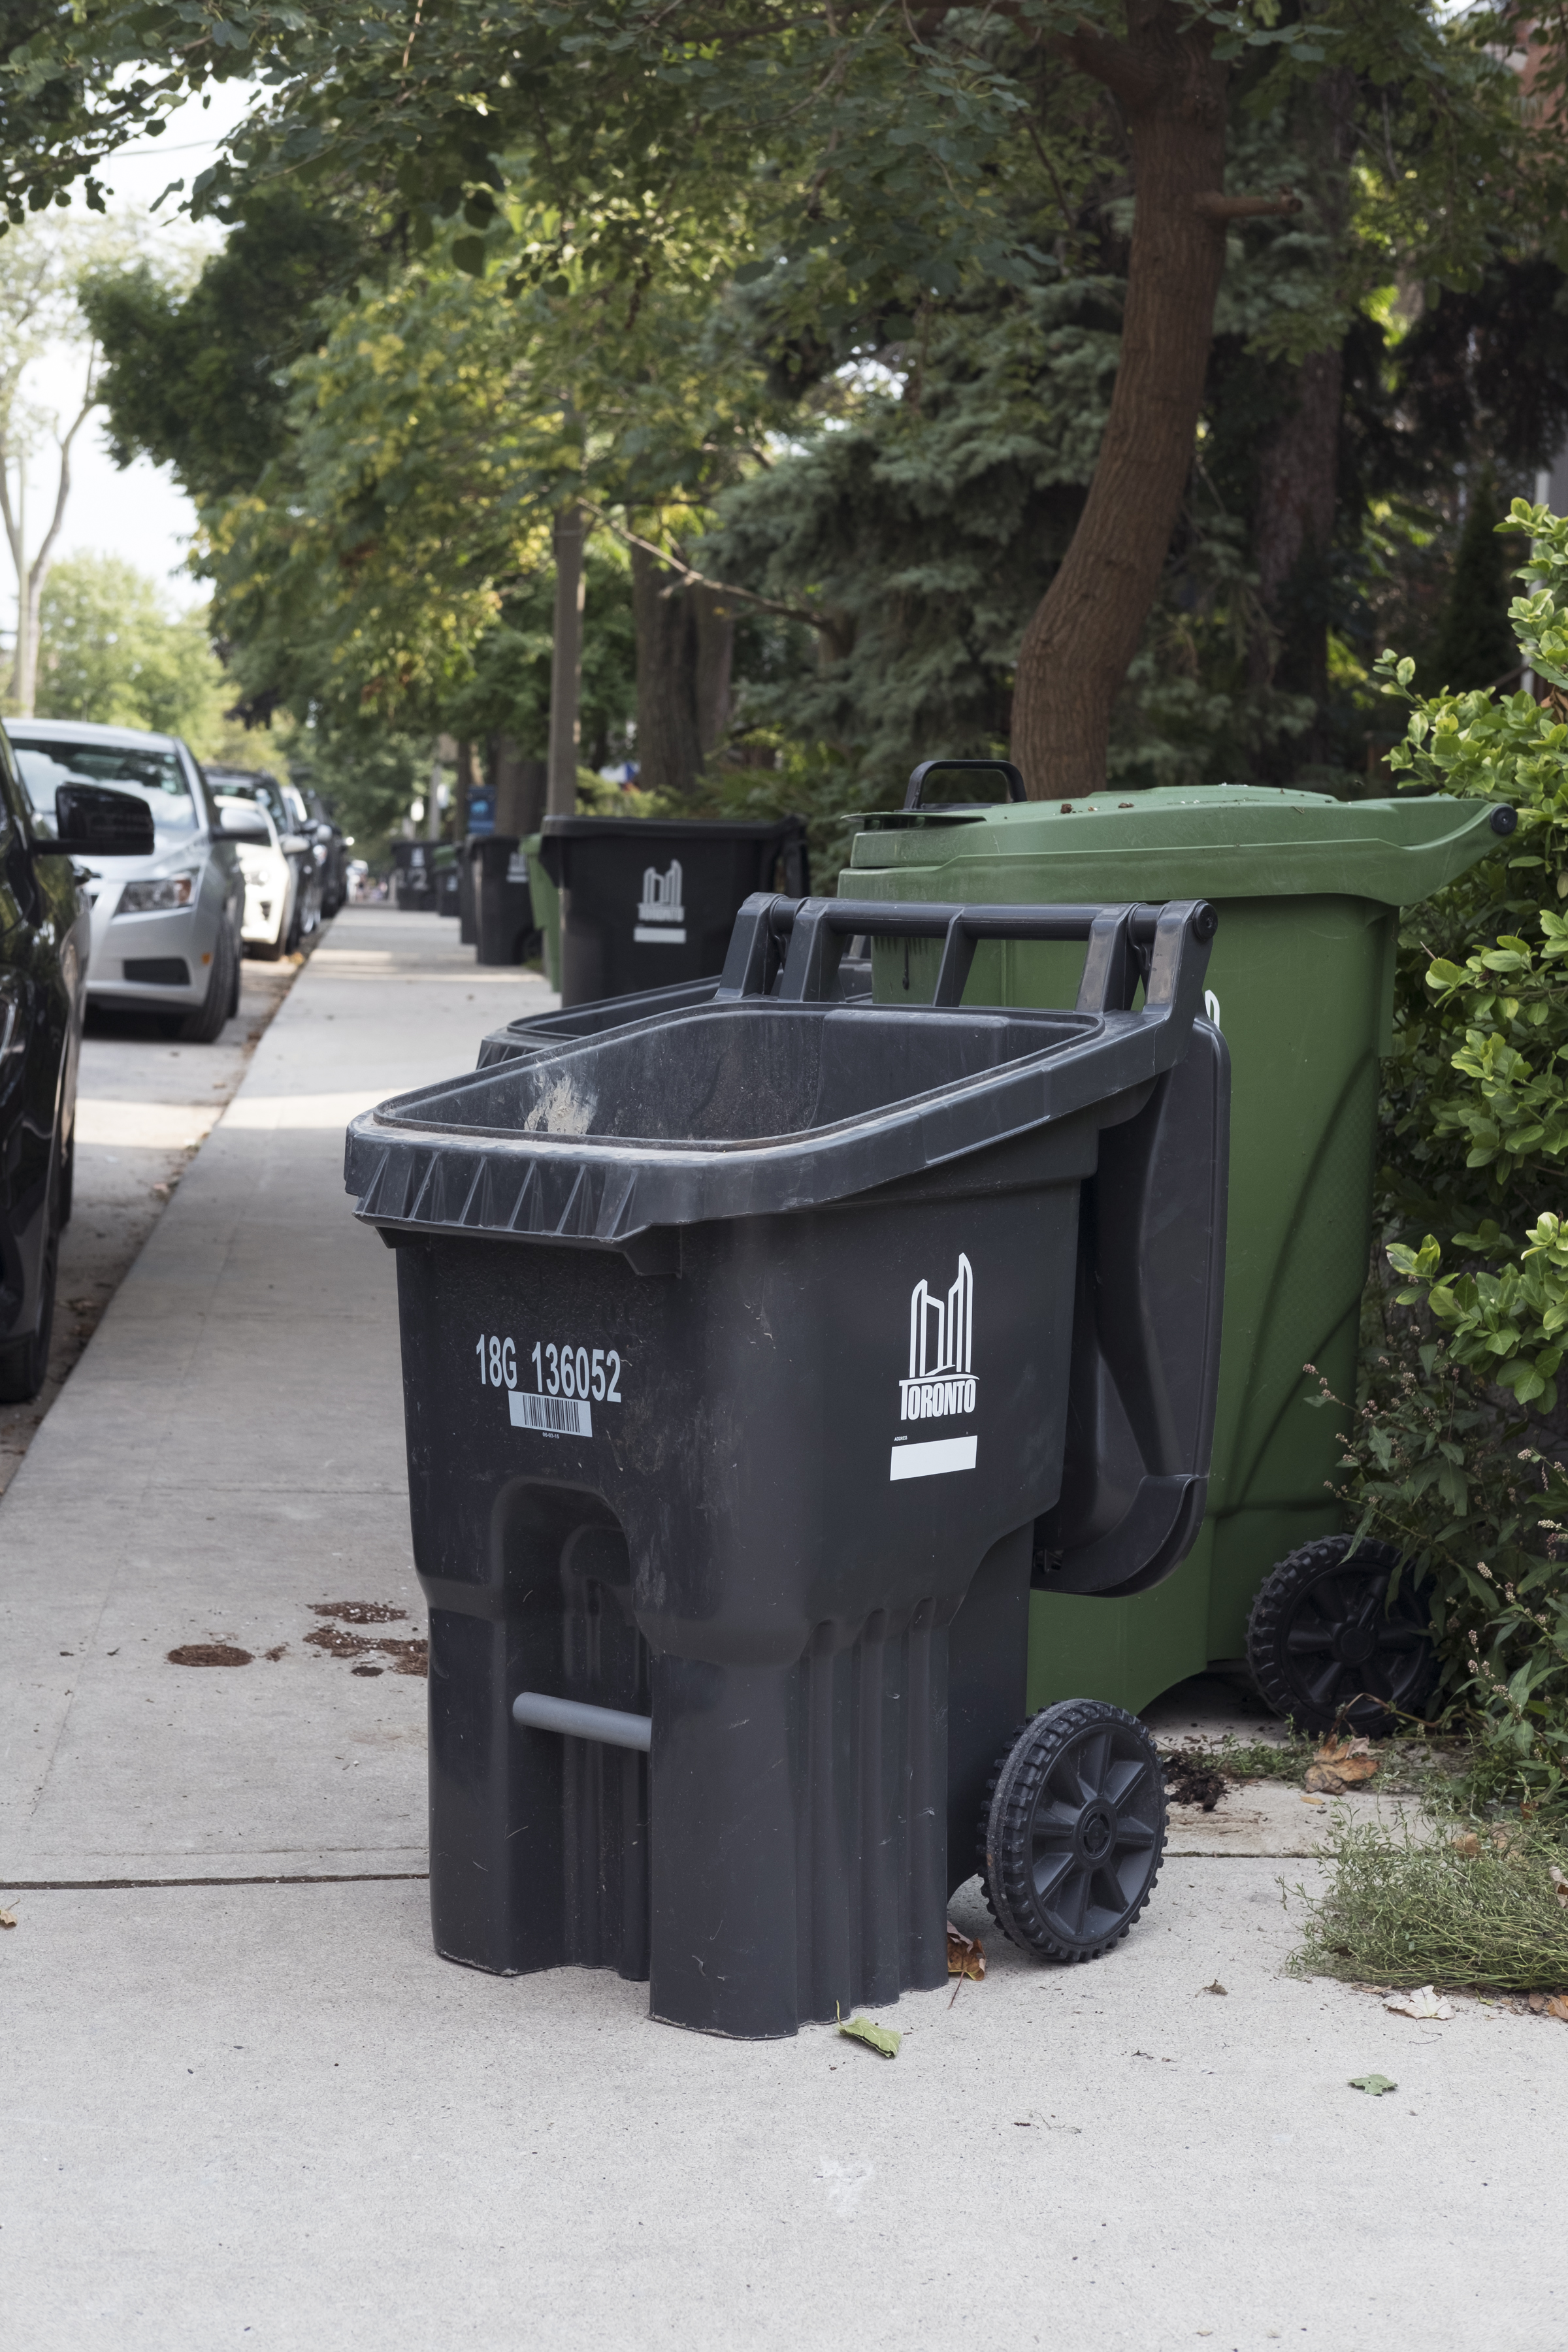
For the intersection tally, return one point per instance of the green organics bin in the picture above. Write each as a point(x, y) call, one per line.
point(1300, 984)
point(546, 908)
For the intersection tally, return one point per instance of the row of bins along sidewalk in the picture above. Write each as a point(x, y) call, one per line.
point(815, 1368)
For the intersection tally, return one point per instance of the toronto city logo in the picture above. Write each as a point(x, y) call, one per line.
point(941, 1377)
point(662, 915)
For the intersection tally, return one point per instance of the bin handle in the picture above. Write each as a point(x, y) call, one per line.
point(916, 785)
point(1126, 944)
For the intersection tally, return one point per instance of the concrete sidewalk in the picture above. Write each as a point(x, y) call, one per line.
point(243, 2100)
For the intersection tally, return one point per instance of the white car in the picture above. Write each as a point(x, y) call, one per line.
point(271, 884)
point(165, 927)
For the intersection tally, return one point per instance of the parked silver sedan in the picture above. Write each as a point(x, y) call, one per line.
point(165, 929)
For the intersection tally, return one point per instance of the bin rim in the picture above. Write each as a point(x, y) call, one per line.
point(452, 1174)
point(688, 828)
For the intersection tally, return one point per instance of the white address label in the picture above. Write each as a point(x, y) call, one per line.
point(557, 1416)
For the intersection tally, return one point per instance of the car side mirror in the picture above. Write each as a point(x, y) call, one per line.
point(292, 844)
point(246, 829)
point(92, 821)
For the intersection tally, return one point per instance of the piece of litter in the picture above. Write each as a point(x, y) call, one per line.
point(1374, 2084)
point(1559, 1885)
point(1424, 2002)
point(1216, 1987)
point(7, 1919)
point(1312, 1801)
point(879, 2038)
point(966, 1954)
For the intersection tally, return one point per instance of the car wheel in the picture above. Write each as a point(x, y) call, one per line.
point(203, 1027)
point(25, 1361)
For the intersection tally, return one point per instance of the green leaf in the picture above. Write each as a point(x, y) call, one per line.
point(469, 256)
point(879, 2038)
point(1374, 2084)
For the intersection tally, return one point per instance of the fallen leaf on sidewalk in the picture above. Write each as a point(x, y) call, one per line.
point(1559, 1885)
point(966, 1954)
point(7, 1919)
point(1216, 1987)
point(1557, 2007)
point(1341, 1764)
point(1424, 2002)
point(208, 1654)
point(1467, 1844)
point(879, 2038)
point(1374, 2085)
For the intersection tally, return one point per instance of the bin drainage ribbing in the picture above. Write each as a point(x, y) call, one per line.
point(575, 1720)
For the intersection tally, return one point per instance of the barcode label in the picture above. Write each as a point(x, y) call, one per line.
point(557, 1416)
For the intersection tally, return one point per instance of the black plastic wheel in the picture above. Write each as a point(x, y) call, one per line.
point(1325, 1648)
point(1075, 1830)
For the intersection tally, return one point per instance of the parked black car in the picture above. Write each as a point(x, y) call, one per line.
point(45, 937)
point(335, 846)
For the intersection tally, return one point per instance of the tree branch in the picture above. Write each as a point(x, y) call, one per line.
point(691, 578)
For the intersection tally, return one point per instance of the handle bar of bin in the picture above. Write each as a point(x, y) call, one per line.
point(1126, 944)
point(1016, 789)
point(576, 1720)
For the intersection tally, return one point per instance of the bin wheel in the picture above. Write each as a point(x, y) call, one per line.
point(1324, 1649)
point(1074, 1830)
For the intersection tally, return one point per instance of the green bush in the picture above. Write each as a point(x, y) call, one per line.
point(1455, 1450)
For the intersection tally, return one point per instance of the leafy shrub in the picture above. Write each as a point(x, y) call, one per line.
point(1455, 1450)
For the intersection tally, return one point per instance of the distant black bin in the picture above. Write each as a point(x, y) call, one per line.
point(504, 926)
point(413, 876)
point(468, 917)
point(646, 903)
point(539, 1030)
point(736, 1349)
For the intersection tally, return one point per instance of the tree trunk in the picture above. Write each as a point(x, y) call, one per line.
point(566, 661)
point(669, 746)
point(1077, 646)
point(1297, 484)
point(522, 789)
point(1299, 464)
point(715, 663)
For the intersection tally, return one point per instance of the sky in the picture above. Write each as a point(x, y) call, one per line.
point(138, 513)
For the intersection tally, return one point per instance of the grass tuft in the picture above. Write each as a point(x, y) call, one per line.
point(1399, 1910)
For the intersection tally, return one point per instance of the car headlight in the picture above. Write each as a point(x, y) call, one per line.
point(156, 897)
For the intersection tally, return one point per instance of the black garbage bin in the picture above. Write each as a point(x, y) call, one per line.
point(444, 880)
point(505, 930)
point(646, 903)
point(738, 1345)
point(539, 1030)
point(413, 877)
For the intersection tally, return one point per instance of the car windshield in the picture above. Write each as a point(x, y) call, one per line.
point(156, 775)
point(235, 786)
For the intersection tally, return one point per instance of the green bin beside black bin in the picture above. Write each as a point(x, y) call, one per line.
point(737, 1350)
point(646, 901)
point(1301, 985)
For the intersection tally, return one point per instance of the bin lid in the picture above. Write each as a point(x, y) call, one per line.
point(1211, 841)
point(674, 828)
